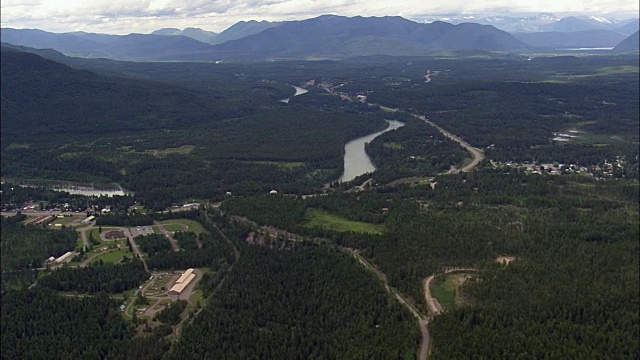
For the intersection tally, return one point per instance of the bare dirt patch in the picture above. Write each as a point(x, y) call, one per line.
point(505, 260)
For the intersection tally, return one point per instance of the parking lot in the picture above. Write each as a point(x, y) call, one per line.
point(141, 230)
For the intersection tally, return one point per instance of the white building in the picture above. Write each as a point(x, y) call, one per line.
point(183, 281)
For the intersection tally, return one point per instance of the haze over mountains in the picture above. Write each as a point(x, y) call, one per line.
point(331, 37)
point(629, 44)
point(194, 33)
point(576, 39)
point(545, 22)
point(39, 109)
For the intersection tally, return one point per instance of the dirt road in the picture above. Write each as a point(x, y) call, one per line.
point(423, 353)
point(432, 303)
point(422, 320)
point(86, 262)
point(434, 306)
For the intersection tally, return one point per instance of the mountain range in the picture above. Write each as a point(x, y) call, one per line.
point(234, 32)
point(194, 33)
point(323, 37)
point(327, 36)
point(544, 22)
point(576, 39)
point(632, 43)
point(41, 97)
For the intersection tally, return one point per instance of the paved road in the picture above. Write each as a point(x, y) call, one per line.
point(83, 235)
point(476, 154)
point(135, 248)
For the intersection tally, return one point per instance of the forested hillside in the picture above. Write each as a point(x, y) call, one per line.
point(305, 303)
point(501, 156)
point(575, 242)
point(39, 324)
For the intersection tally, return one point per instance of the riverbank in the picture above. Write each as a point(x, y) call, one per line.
point(356, 160)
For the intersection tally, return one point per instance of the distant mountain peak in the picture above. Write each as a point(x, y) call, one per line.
point(194, 33)
point(600, 19)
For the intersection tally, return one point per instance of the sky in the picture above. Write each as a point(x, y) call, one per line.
point(145, 16)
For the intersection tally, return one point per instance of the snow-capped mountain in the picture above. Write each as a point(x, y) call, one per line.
point(538, 22)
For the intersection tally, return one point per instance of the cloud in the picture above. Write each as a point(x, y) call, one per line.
point(125, 16)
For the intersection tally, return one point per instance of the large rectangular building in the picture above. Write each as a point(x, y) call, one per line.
point(182, 282)
point(184, 275)
point(64, 257)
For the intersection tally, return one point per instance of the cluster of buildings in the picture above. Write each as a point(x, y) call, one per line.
point(40, 219)
point(606, 170)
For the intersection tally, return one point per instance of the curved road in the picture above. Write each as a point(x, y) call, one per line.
point(476, 154)
point(432, 303)
point(422, 320)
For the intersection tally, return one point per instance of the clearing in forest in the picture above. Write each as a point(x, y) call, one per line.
point(447, 290)
point(319, 218)
point(183, 225)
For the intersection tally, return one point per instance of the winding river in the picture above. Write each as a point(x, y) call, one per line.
point(356, 160)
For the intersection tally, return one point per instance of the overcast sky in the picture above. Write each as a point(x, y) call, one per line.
point(144, 16)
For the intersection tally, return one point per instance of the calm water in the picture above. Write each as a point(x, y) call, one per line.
point(356, 160)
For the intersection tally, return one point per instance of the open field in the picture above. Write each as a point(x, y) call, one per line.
point(114, 256)
point(185, 149)
point(325, 220)
point(175, 227)
point(63, 221)
point(281, 164)
point(183, 225)
point(393, 146)
point(447, 290)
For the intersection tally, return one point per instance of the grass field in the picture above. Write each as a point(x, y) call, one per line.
point(79, 242)
point(447, 290)
point(189, 225)
point(393, 146)
point(325, 220)
point(114, 256)
point(63, 221)
point(281, 164)
point(185, 149)
point(175, 227)
point(96, 234)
